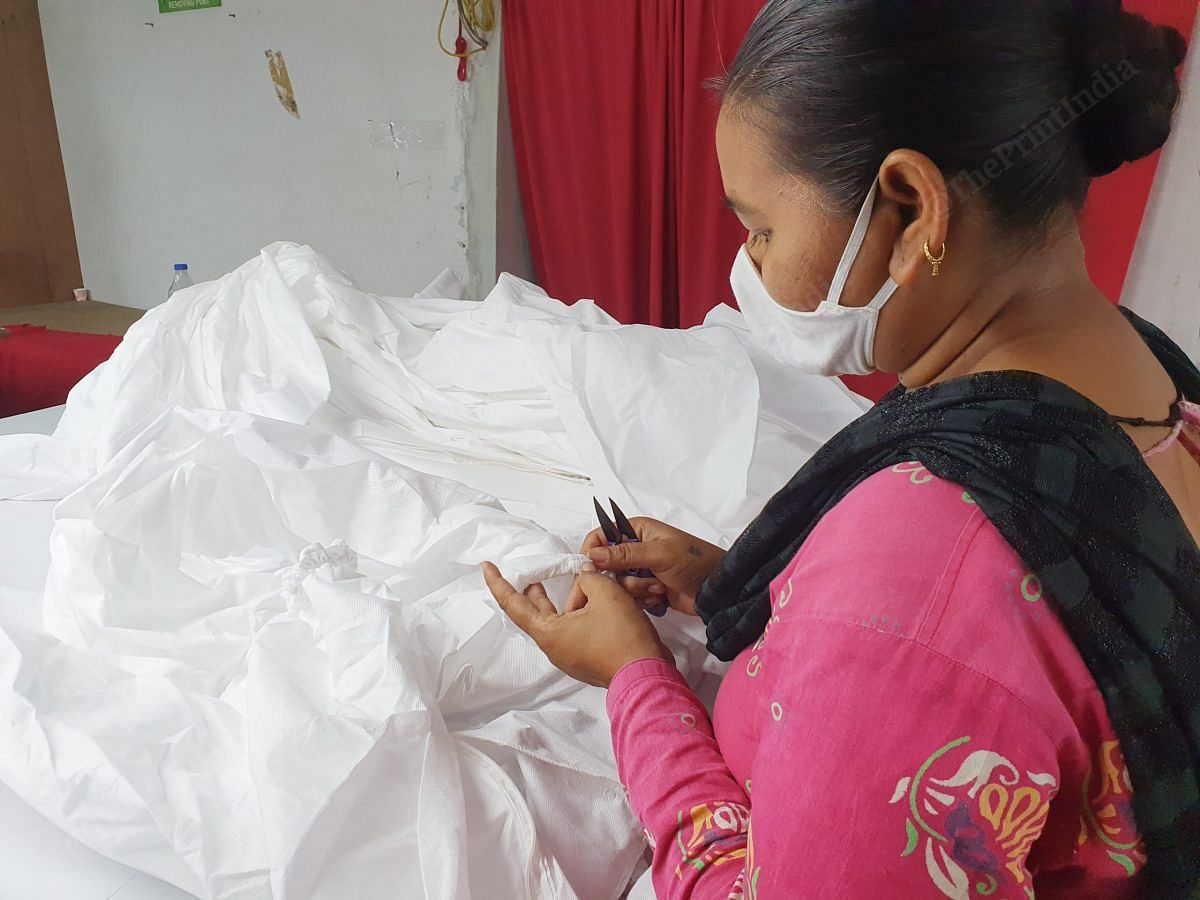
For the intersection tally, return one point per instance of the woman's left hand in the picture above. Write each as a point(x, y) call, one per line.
point(592, 643)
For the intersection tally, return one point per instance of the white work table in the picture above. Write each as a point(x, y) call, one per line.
point(38, 860)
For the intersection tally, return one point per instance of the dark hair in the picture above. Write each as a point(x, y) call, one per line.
point(1024, 101)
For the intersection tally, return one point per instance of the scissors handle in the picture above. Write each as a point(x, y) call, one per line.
point(657, 611)
point(622, 532)
point(633, 573)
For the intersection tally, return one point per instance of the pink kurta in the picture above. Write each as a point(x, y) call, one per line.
point(915, 723)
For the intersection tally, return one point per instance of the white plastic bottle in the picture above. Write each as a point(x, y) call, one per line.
point(182, 279)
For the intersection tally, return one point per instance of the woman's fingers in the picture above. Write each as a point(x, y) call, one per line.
point(644, 588)
point(598, 587)
point(537, 595)
point(653, 555)
point(594, 539)
point(576, 600)
point(521, 609)
point(649, 592)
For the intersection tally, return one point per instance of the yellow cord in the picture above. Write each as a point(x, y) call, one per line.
point(481, 15)
point(478, 15)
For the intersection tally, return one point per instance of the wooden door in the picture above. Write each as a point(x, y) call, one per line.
point(39, 260)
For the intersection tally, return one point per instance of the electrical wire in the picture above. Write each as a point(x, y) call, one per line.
point(477, 20)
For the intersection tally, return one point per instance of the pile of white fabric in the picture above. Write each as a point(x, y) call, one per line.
point(266, 665)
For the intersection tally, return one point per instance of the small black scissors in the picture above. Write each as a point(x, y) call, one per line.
point(623, 532)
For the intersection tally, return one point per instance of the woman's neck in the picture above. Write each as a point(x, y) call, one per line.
point(1017, 317)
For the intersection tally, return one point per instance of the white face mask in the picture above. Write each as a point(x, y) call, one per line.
point(832, 339)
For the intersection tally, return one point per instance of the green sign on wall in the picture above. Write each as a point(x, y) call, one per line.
point(165, 6)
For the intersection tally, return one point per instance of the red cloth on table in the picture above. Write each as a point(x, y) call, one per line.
point(38, 367)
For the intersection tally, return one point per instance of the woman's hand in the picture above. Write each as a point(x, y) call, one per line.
point(680, 562)
point(591, 644)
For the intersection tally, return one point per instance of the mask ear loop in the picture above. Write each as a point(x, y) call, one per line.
point(857, 238)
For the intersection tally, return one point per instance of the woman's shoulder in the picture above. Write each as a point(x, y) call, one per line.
point(913, 555)
point(904, 496)
point(894, 538)
point(916, 549)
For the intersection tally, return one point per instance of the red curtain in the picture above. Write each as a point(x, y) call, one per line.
point(709, 234)
point(613, 129)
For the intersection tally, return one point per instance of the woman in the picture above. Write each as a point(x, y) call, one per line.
point(967, 654)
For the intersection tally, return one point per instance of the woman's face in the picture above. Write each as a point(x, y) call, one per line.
point(793, 238)
point(797, 240)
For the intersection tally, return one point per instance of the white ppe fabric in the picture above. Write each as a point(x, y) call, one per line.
point(264, 664)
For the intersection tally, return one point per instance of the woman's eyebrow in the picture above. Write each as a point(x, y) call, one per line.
point(738, 207)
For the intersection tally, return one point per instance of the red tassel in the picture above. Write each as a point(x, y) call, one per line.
point(460, 47)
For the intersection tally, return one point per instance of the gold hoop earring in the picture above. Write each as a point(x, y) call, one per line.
point(935, 261)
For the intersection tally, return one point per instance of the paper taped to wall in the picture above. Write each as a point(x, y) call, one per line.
point(277, 66)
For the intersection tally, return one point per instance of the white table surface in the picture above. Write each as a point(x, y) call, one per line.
point(39, 861)
point(42, 422)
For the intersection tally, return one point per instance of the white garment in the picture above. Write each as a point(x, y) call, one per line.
point(267, 666)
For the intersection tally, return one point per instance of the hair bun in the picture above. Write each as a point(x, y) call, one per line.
point(1126, 84)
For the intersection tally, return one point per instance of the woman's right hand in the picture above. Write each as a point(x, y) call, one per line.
point(680, 563)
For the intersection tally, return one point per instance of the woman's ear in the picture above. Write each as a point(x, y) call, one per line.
point(916, 186)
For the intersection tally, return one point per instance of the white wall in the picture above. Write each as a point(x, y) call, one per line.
point(512, 237)
point(176, 148)
point(1164, 281)
point(479, 121)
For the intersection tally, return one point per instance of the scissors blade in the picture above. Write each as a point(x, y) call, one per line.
point(624, 526)
point(611, 534)
point(628, 534)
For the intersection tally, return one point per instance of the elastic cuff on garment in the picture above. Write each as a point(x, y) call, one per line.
point(636, 671)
